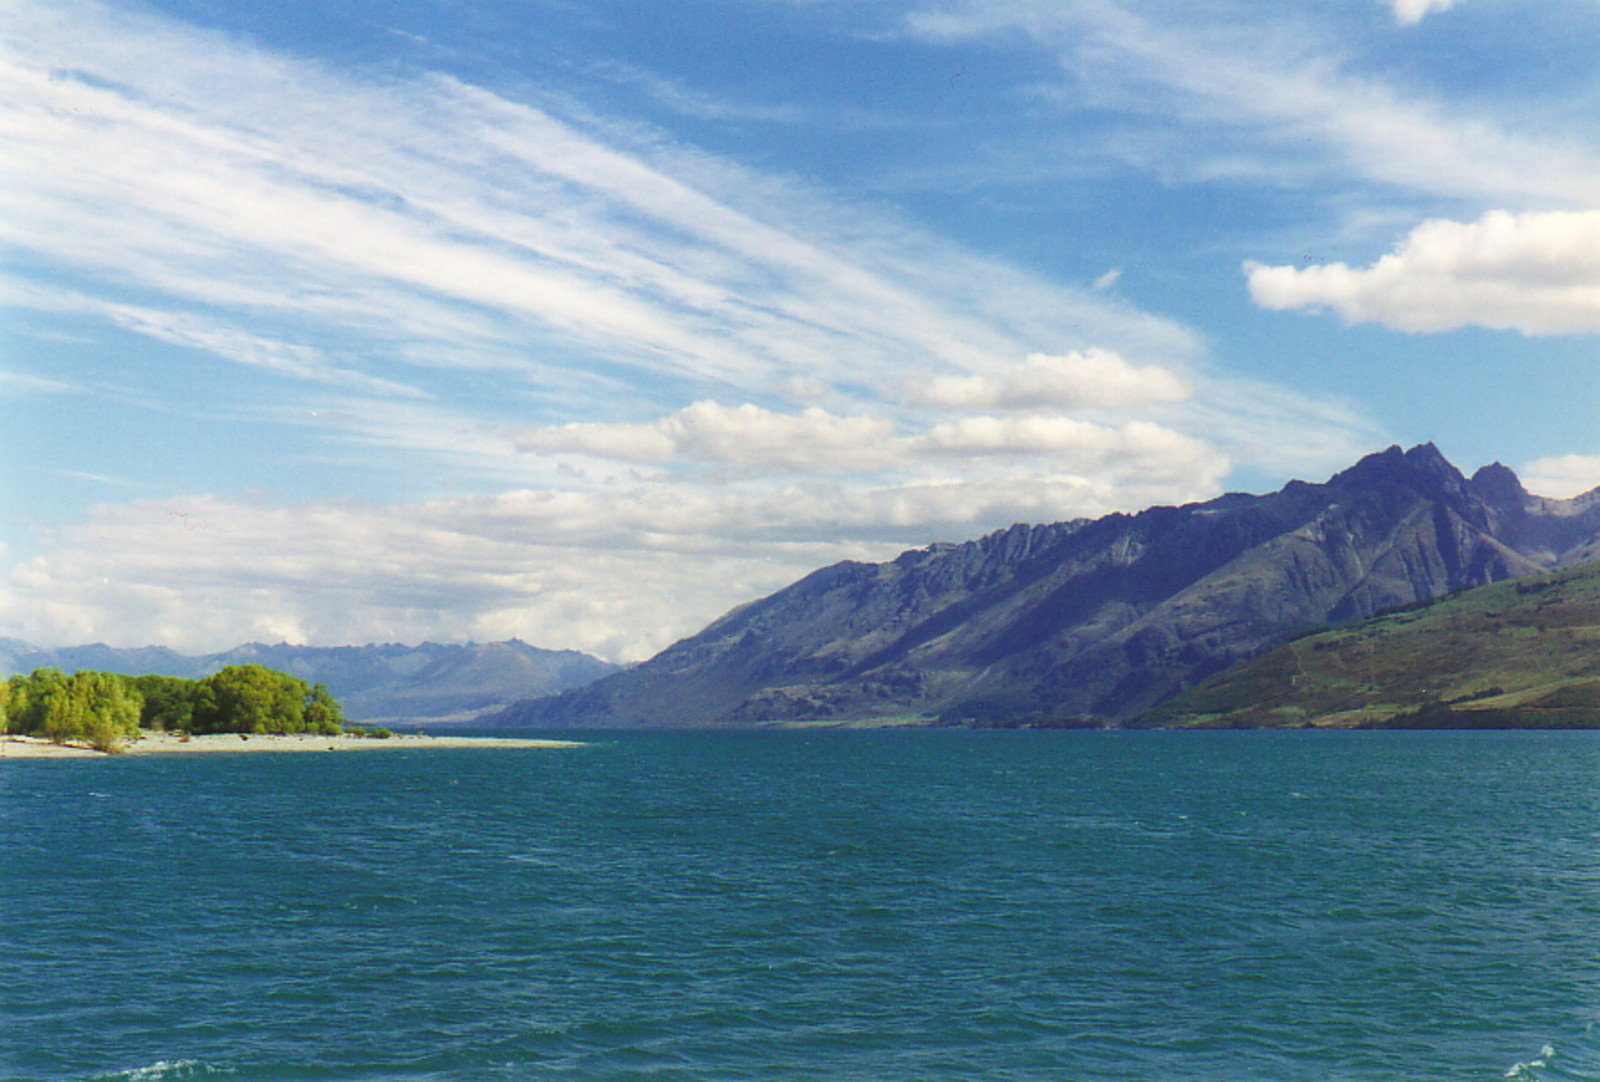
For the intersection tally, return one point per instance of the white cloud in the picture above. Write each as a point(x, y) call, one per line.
point(1537, 273)
point(22, 382)
point(1089, 378)
point(674, 94)
point(750, 440)
point(221, 339)
point(1411, 12)
point(627, 442)
point(744, 438)
point(1083, 441)
point(1562, 476)
point(750, 437)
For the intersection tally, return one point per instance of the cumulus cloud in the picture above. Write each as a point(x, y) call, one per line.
point(1089, 378)
point(1411, 12)
point(749, 439)
point(1562, 476)
point(743, 438)
point(1538, 273)
point(1055, 435)
point(626, 442)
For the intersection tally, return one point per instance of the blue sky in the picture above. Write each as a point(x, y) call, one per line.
point(583, 322)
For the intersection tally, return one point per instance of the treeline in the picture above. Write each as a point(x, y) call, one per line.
point(106, 709)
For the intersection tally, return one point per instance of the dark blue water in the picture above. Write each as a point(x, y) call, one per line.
point(1335, 907)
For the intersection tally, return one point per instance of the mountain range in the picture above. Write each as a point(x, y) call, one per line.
point(1093, 622)
point(378, 682)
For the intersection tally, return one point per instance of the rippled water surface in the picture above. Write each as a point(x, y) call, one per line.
point(1336, 907)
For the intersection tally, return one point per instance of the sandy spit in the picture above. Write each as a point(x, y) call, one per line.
point(26, 747)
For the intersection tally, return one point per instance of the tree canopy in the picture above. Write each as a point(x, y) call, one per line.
point(105, 709)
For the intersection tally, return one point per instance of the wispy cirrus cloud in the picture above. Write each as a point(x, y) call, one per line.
point(1285, 91)
point(428, 210)
point(22, 382)
point(347, 227)
point(197, 331)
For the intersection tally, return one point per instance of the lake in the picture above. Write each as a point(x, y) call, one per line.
point(928, 905)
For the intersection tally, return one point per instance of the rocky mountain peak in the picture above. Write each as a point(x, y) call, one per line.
point(1500, 485)
point(1422, 467)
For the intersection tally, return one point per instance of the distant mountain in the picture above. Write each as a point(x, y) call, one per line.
point(1523, 654)
point(387, 682)
point(1094, 622)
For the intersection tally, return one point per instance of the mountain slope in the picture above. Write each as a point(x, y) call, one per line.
point(1515, 654)
point(374, 682)
point(1096, 621)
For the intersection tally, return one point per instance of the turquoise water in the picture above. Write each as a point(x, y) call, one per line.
point(1085, 906)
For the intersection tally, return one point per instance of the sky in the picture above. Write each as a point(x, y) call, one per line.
point(583, 322)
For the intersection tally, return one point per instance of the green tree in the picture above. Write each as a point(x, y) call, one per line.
point(106, 709)
point(322, 713)
point(63, 715)
point(109, 710)
point(255, 699)
point(99, 708)
point(30, 698)
point(169, 703)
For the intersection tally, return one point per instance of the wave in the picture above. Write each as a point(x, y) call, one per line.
point(1571, 1061)
point(183, 1070)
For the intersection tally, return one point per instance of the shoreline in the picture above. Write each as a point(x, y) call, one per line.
point(151, 743)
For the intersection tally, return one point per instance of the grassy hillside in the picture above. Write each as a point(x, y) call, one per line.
point(1521, 654)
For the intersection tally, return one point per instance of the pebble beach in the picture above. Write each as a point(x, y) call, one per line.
point(149, 743)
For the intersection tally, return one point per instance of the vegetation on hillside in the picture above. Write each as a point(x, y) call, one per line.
point(1520, 654)
point(106, 709)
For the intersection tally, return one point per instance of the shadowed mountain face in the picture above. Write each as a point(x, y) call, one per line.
point(386, 682)
point(1094, 621)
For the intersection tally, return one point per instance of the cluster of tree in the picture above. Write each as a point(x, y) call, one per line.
point(106, 709)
